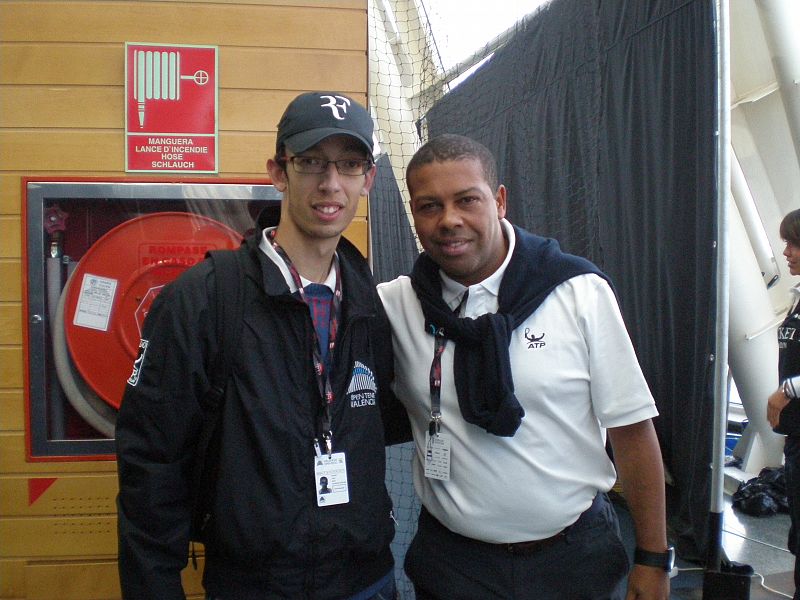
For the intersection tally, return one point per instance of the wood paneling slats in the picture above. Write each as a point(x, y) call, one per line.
point(44, 150)
point(294, 70)
point(263, 68)
point(12, 578)
point(90, 580)
point(10, 281)
point(10, 190)
point(59, 536)
point(10, 367)
point(72, 581)
point(11, 323)
point(40, 107)
point(234, 25)
point(10, 234)
point(12, 411)
point(69, 495)
point(49, 106)
point(357, 4)
point(12, 460)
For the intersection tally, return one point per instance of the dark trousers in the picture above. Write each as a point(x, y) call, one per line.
point(588, 563)
point(792, 471)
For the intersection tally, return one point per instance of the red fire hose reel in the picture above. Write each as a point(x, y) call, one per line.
point(105, 301)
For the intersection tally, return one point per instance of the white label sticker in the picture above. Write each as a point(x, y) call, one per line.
point(330, 473)
point(437, 456)
point(95, 302)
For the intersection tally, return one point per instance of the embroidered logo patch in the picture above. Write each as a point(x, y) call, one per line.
point(362, 389)
point(534, 341)
point(137, 364)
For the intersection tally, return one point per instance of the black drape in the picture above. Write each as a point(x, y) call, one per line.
point(395, 249)
point(602, 117)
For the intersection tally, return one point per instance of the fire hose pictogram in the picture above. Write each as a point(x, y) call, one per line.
point(156, 76)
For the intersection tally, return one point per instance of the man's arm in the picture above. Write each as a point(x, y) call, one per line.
point(637, 456)
point(783, 408)
point(157, 423)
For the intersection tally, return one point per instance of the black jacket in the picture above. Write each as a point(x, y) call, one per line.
point(789, 366)
point(266, 537)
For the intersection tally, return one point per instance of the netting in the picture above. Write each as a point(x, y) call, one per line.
point(601, 117)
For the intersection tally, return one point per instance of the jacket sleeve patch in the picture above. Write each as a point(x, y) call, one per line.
point(137, 364)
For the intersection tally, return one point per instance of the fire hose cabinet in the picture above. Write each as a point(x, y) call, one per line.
point(96, 255)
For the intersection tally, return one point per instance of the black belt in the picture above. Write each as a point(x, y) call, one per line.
point(533, 546)
point(518, 548)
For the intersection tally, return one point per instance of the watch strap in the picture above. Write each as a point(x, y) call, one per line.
point(663, 560)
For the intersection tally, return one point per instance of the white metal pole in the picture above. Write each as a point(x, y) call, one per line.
point(722, 280)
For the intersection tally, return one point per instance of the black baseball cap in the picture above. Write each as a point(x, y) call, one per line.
point(314, 116)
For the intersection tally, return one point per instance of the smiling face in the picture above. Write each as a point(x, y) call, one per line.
point(457, 217)
point(317, 208)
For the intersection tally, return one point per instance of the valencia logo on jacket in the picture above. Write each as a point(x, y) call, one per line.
point(362, 389)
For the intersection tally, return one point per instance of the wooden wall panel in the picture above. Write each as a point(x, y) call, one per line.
point(321, 27)
point(11, 323)
point(12, 578)
point(10, 281)
point(12, 411)
point(74, 581)
point(63, 149)
point(10, 234)
point(90, 580)
point(13, 461)
point(10, 186)
point(32, 106)
point(62, 115)
point(68, 537)
point(10, 367)
point(68, 495)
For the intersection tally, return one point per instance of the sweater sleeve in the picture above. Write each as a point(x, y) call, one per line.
point(158, 421)
point(397, 428)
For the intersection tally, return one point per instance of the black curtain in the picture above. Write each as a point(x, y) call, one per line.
point(396, 249)
point(602, 117)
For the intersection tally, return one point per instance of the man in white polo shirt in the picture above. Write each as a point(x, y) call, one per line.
point(513, 362)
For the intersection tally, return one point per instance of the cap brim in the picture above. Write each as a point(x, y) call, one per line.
point(300, 142)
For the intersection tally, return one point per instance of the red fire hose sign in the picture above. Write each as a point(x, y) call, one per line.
point(171, 108)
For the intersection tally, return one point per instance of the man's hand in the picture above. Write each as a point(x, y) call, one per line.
point(775, 404)
point(647, 583)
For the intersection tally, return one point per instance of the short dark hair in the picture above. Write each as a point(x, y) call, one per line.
point(790, 227)
point(450, 146)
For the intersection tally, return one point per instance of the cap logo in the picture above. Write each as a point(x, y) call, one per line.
point(339, 109)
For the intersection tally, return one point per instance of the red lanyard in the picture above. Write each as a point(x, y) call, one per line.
point(323, 377)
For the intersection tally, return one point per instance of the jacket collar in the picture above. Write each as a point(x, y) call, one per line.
point(359, 296)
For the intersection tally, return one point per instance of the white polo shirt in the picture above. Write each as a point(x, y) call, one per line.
point(575, 374)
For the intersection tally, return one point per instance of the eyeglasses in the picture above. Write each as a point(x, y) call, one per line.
point(315, 166)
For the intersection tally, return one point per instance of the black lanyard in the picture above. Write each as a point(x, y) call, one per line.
point(322, 375)
point(435, 378)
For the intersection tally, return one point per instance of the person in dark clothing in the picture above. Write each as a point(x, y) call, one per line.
point(307, 397)
point(783, 405)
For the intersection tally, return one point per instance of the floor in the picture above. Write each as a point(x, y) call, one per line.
point(759, 542)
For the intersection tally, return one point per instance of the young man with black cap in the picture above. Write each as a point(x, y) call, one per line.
point(306, 399)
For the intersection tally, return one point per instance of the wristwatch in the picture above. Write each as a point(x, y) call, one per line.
point(662, 560)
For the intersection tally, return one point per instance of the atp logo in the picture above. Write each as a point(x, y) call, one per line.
point(534, 341)
point(339, 109)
